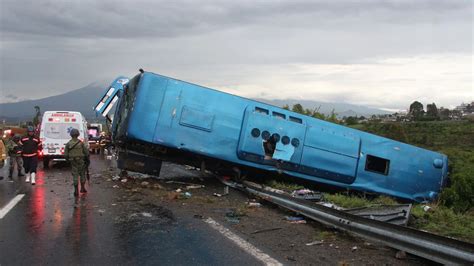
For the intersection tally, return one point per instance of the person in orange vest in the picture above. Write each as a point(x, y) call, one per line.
point(30, 147)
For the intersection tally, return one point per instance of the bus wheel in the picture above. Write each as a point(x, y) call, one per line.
point(45, 163)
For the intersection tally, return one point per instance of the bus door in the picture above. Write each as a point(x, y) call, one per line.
point(112, 95)
point(330, 152)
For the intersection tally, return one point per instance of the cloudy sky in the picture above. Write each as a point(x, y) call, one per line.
point(378, 53)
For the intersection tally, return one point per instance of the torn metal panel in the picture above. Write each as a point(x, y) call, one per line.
point(394, 214)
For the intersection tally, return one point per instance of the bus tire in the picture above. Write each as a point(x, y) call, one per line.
point(45, 163)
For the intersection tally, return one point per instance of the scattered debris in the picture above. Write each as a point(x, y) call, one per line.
point(226, 190)
point(295, 219)
point(116, 178)
point(317, 242)
point(254, 204)
point(115, 186)
point(354, 248)
point(233, 217)
point(298, 222)
point(266, 230)
point(401, 255)
point(178, 190)
point(124, 180)
point(146, 214)
point(330, 205)
point(217, 195)
point(307, 194)
point(194, 186)
point(189, 167)
point(145, 184)
point(426, 208)
point(101, 211)
point(187, 195)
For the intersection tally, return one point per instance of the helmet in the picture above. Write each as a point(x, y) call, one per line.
point(74, 133)
point(16, 137)
point(30, 129)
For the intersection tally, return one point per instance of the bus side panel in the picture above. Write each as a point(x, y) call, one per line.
point(199, 120)
point(146, 110)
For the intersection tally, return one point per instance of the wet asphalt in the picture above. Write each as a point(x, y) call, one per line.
point(50, 227)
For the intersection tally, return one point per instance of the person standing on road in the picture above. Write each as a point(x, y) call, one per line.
point(30, 146)
point(14, 151)
point(3, 156)
point(77, 154)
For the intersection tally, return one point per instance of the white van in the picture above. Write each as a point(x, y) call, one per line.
point(54, 133)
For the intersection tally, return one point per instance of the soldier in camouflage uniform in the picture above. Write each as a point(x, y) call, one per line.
point(77, 154)
point(14, 151)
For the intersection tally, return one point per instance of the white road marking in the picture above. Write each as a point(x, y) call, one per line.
point(10, 205)
point(249, 248)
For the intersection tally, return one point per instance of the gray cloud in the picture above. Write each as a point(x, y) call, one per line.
point(55, 46)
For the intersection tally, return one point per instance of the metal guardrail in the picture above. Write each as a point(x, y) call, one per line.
point(433, 247)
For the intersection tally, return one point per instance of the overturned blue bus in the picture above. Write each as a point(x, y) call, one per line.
point(160, 118)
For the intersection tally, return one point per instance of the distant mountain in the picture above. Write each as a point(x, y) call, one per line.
point(81, 100)
point(85, 98)
point(341, 109)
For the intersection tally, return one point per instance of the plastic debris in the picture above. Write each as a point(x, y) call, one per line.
point(178, 190)
point(145, 184)
point(115, 186)
point(116, 178)
point(426, 208)
point(217, 195)
point(293, 218)
point(254, 204)
point(226, 190)
point(124, 180)
point(187, 195)
point(354, 248)
point(146, 214)
point(298, 222)
point(330, 205)
point(317, 242)
point(194, 186)
point(234, 220)
point(307, 194)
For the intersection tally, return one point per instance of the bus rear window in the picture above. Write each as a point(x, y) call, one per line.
point(59, 130)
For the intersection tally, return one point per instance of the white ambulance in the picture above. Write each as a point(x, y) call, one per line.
point(54, 133)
